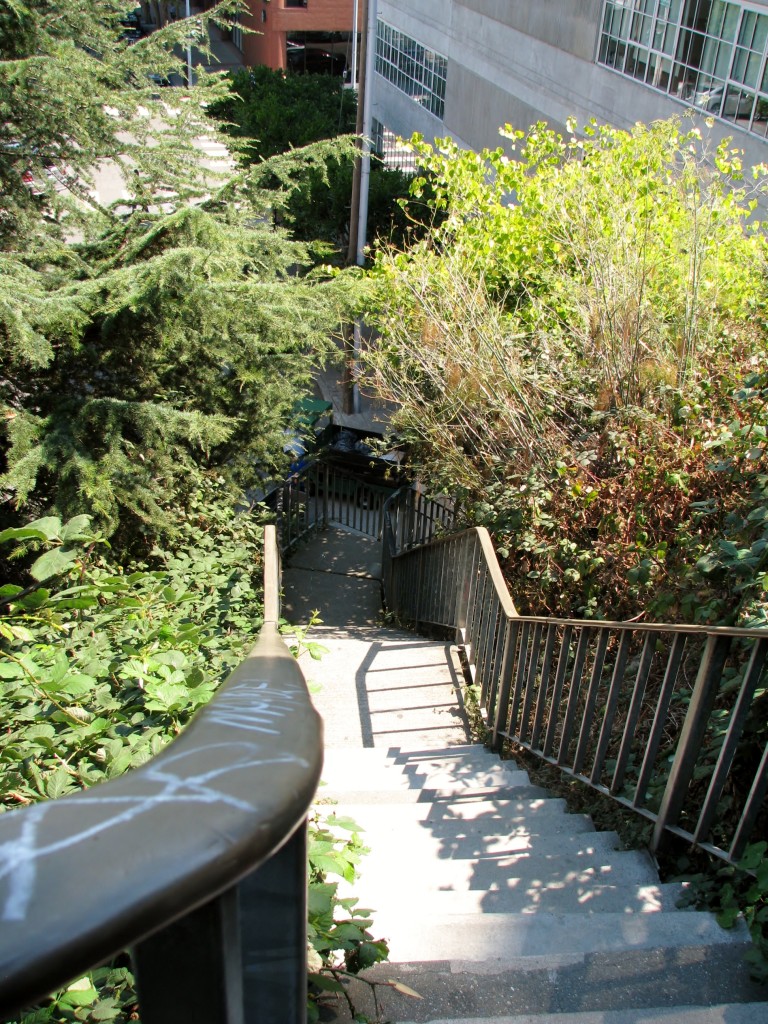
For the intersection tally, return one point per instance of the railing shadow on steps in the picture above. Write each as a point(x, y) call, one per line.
point(196, 861)
point(667, 720)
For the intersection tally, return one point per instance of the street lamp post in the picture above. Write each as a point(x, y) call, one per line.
point(365, 158)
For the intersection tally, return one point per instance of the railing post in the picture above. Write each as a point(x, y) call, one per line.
point(191, 971)
point(239, 959)
point(694, 727)
point(505, 684)
point(273, 922)
point(326, 484)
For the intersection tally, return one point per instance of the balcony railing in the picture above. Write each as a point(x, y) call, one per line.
point(196, 861)
point(667, 720)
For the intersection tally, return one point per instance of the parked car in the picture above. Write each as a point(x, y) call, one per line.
point(349, 451)
point(737, 104)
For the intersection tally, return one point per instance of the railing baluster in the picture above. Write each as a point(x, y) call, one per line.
point(573, 694)
point(205, 943)
point(251, 973)
point(735, 728)
point(587, 719)
point(530, 683)
point(418, 590)
point(638, 692)
point(694, 728)
point(541, 699)
point(611, 705)
point(660, 718)
point(557, 690)
point(490, 656)
point(480, 636)
point(752, 808)
point(274, 963)
point(500, 724)
point(523, 657)
point(465, 589)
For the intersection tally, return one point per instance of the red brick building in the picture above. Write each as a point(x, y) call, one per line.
point(311, 35)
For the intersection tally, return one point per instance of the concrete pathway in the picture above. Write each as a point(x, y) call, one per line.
point(375, 686)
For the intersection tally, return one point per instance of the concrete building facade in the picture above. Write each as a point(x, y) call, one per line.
point(463, 68)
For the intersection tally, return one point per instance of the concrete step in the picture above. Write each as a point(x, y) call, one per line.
point(448, 791)
point(472, 768)
point(469, 755)
point(386, 777)
point(451, 842)
point(667, 985)
point(505, 939)
point(570, 897)
point(723, 1013)
point(379, 876)
point(536, 815)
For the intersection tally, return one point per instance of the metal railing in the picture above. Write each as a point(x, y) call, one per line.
point(319, 495)
point(668, 720)
point(197, 860)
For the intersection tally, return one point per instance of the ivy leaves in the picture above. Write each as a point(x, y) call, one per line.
point(339, 939)
point(101, 667)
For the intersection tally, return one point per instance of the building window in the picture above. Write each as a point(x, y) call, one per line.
point(320, 53)
point(391, 152)
point(237, 33)
point(710, 54)
point(416, 70)
point(295, 3)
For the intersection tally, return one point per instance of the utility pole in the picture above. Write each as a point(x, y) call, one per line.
point(359, 206)
point(188, 15)
point(354, 216)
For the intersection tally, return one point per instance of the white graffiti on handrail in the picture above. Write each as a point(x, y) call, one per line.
point(239, 706)
point(252, 705)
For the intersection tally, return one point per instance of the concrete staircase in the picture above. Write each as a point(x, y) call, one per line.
point(497, 904)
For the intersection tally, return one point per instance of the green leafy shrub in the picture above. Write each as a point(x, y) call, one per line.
point(575, 349)
point(102, 665)
point(340, 942)
point(740, 891)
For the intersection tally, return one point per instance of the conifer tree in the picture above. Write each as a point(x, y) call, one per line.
point(168, 334)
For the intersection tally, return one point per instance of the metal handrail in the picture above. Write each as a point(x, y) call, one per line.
point(193, 851)
point(655, 715)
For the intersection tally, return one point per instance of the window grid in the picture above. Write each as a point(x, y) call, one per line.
point(411, 67)
point(710, 54)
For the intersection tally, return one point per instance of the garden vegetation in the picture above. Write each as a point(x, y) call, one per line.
point(578, 352)
point(152, 353)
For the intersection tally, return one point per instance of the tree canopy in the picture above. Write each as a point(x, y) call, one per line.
point(167, 334)
point(271, 112)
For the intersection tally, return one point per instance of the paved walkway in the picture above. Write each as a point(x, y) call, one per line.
point(375, 686)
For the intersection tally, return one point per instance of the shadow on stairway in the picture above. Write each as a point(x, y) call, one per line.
point(497, 904)
point(377, 686)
